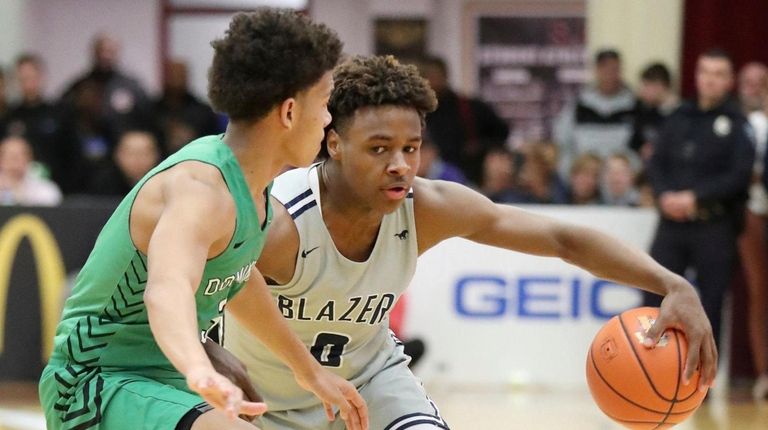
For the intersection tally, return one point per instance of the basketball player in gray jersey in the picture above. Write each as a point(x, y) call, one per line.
point(344, 244)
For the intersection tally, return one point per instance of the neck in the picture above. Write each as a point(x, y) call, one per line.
point(609, 91)
point(708, 103)
point(32, 99)
point(339, 200)
point(12, 178)
point(258, 151)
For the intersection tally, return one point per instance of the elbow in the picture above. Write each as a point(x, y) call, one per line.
point(566, 243)
point(158, 294)
point(151, 299)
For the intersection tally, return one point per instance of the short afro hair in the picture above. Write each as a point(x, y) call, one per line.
point(378, 81)
point(268, 56)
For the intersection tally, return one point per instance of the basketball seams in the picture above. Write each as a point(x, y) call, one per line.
point(640, 362)
point(679, 377)
point(645, 408)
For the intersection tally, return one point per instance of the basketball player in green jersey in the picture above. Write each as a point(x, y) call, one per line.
point(346, 236)
point(128, 351)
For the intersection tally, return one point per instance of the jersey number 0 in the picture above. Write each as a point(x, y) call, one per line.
point(328, 348)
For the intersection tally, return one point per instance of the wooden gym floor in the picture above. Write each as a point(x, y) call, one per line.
point(476, 408)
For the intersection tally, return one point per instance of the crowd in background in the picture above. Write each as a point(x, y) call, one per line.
point(105, 132)
point(699, 162)
point(99, 137)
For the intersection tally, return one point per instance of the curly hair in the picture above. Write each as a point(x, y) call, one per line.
point(377, 81)
point(266, 57)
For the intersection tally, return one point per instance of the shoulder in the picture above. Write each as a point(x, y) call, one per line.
point(687, 107)
point(437, 194)
point(196, 185)
point(446, 209)
point(292, 185)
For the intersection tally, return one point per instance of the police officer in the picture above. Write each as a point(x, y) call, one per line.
point(700, 173)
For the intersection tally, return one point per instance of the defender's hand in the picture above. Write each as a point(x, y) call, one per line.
point(681, 309)
point(334, 390)
point(230, 366)
point(222, 394)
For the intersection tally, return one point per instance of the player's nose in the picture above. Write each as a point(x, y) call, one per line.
point(397, 164)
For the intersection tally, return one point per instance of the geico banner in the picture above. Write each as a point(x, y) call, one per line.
point(39, 247)
point(491, 316)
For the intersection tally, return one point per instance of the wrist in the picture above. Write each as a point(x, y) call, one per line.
point(673, 283)
point(198, 366)
point(306, 370)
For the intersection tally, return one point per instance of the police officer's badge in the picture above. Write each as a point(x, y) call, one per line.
point(722, 126)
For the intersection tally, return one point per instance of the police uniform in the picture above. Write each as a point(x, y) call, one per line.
point(340, 310)
point(710, 153)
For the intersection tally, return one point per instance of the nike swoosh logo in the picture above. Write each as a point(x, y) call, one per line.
point(238, 245)
point(305, 252)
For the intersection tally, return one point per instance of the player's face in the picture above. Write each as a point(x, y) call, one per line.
point(378, 151)
point(311, 118)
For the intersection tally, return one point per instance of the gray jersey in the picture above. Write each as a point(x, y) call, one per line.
point(338, 307)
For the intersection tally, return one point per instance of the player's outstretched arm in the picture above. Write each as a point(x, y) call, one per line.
point(176, 255)
point(255, 309)
point(452, 210)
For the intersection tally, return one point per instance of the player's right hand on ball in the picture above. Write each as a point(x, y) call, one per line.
point(221, 393)
point(334, 390)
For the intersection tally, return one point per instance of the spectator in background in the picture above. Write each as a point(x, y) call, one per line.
point(655, 102)
point(700, 172)
point(753, 87)
point(601, 118)
point(539, 181)
point(19, 185)
point(41, 123)
point(646, 198)
point(3, 100)
point(754, 252)
point(498, 182)
point(114, 100)
point(137, 152)
point(182, 116)
point(464, 128)
point(585, 180)
point(618, 184)
point(432, 166)
point(92, 135)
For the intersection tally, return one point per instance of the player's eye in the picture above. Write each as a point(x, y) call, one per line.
point(378, 149)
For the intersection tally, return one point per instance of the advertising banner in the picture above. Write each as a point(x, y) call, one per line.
point(40, 249)
point(492, 316)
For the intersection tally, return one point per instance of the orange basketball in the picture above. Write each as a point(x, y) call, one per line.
point(638, 387)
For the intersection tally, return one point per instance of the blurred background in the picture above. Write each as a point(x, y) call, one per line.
point(560, 106)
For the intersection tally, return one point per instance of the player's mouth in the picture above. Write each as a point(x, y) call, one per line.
point(396, 191)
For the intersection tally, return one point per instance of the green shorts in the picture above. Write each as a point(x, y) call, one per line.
point(395, 397)
point(80, 397)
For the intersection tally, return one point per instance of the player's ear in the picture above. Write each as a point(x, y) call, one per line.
point(288, 112)
point(332, 141)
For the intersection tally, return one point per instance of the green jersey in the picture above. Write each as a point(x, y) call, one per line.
point(104, 323)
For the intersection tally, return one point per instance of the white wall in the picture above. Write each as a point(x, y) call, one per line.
point(11, 17)
point(646, 31)
point(352, 21)
point(190, 39)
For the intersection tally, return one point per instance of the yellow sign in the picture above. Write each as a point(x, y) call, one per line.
point(49, 264)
